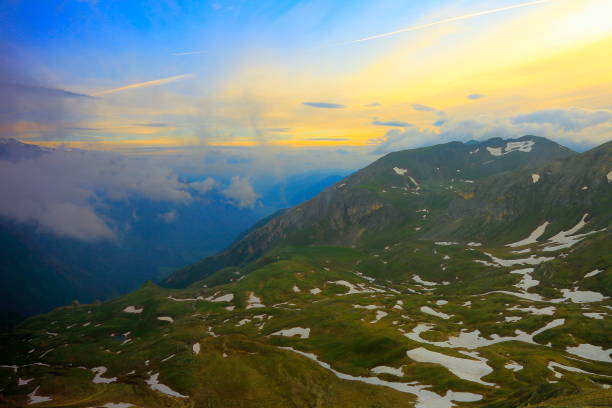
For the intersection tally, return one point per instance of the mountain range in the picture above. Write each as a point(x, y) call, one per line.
point(471, 274)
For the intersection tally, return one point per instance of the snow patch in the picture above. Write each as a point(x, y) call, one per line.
point(430, 311)
point(591, 352)
point(166, 319)
point(99, 379)
point(379, 315)
point(36, 399)
point(513, 366)
point(196, 348)
point(400, 171)
point(466, 369)
point(425, 398)
point(535, 178)
point(133, 309)
point(532, 238)
point(593, 273)
point(154, 384)
point(398, 372)
point(301, 332)
point(254, 302)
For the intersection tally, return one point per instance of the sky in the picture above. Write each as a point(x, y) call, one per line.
point(166, 76)
point(170, 100)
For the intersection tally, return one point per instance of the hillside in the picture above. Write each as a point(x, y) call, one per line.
point(410, 194)
point(489, 294)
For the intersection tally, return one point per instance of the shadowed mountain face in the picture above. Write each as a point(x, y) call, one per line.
point(383, 200)
point(419, 282)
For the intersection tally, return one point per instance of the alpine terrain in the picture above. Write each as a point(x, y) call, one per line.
point(473, 274)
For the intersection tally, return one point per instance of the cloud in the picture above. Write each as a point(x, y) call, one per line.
point(204, 186)
point(372, 105)
point(439, 123)
point(179, 54)
point(277, 130)
point(391, 123)
point(475, 96)
point(445, 21)
point(576, 128)
point(155, 125)
point(169, 216)
point(146, 84)
point(241, 192)
point(424, 108)
point(329, 139)
point(324, 105)
point(566, 119)
point(66, 192)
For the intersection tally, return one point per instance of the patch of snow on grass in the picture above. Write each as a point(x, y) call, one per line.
point(425, 398)
point(524, 146)
point(474, 244)
point(582, 296)
point(535, 177)
point(223, 298)
point(99, 379)
point(315, 291)
point(532, 260)
point(593, 315)
point(566, 239)
point(513, 366)
point(495, 151)
point(398, 372)
point(400, 171)
point(553, 364)
point(133, 309)
point(512, 318)
point(418, 279)
point(473, 340)
point(591, 352)
point(369, 307)
point(166, 319)
point(379, 315)
point(23, 382)
point(532, 238)
point(295, 289)
point(36, 399)
point(154, 384)
point(430, 311)
point(445, 243)
point(196, 348)
point(547, 311)
point(593, 273)
point(254, 302)
point(466, 369)
point(301, 332)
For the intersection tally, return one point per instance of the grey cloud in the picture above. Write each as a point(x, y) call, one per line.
point(241, 192)
point(169, 217)
point(65, 192)
point(475, 96)
point(391, 123)
point(373, 105)
point(424, 108)
point(204, 186)
point(567, 119)
point(324, 105)
point(329, 139)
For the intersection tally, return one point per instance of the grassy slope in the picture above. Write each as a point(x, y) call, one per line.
point(244, 366)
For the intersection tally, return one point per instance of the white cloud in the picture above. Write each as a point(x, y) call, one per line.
point(65, 192)
point(580, 128)
point(204, 186)
point(169, 216)
point(241, 191)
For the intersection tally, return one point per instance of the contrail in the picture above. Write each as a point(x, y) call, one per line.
point(447, 20)
point(178, 54)
point(146, 84)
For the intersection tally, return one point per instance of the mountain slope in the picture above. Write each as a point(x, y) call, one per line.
point(521, 319)
point(384, 198)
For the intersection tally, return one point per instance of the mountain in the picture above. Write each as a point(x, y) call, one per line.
point(385, 199)
point(490, 294)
